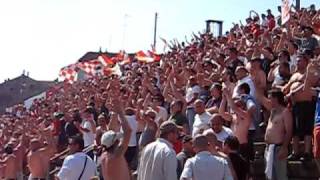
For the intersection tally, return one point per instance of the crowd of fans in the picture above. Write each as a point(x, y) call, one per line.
point(195, 114)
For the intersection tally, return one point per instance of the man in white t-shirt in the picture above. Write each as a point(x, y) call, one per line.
point(77, 165)
point(87, 128)
point(243, 77)
point(221, 132)
point(202, 118)
point(131, 152)
point(192, 94)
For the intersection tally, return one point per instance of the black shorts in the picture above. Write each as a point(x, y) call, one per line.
point(303, 118)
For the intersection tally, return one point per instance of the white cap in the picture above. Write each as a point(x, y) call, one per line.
point(110, 137)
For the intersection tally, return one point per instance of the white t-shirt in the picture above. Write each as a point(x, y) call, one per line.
point(72, 167)
point(222, 135)
point(133, 125)
point(162, 114)
point(191, 91)
point(201, 122)
point(247, 80)
point(88, 137)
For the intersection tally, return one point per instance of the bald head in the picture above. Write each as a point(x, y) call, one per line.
point(216, 123)
point(200, 143)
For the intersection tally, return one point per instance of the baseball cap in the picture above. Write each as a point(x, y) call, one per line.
point(110, 137)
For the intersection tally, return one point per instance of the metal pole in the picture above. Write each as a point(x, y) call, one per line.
point(155, 30)
point(297, 4)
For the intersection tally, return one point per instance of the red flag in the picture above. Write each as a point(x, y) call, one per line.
point(105, 60)
point(143, 57)
point(155, 56)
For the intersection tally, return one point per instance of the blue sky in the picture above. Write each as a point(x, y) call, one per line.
point(41, 36)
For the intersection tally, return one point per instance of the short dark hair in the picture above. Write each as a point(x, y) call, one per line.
point(79, 141)
point(245, 87)
point(278, 94)
point(286, 53)
point(232, 142)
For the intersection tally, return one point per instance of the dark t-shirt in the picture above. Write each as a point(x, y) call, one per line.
point(182, 158)
point(179, 119)
point(234, 64)
point(240, 165)
point(310, 43)
point(71, 129)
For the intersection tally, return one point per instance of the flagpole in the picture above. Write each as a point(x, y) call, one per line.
point(155, 30)
point(297, 4)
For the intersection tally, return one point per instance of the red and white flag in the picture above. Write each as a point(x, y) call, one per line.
point(147, 57)
point(105, 60)
point(90, 67)
point(68, 73)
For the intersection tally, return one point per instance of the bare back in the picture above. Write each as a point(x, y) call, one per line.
point(114, 168)
point(38, 163)
point(10, 168)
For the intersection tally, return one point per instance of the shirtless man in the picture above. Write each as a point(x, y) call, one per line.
point(257, 74)
point(302, 111)
point(20, 152)
point(114, 165)
point(278, 134)
point(102, 128)
point(240, 120)
point(10, 163)
point(39, 156)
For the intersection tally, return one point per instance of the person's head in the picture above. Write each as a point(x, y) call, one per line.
point(269, 12)
point(277, 97)
point(75, 144)
point(192, 81)
point(263, 16)
point(241, 72)
point(216, 90)
point(212, 139)
point(187, 143)
point(34, 144)
point(279, 9)
point(102, 120)
point(87, 113)
point(199, 106)
point(110, 140)
point(8, 149)
point(233, 52)
point(307, 31)
point(255, 64)
point(169, 131)
point(200, 143)
point(149, 115)
point(158, 100)
point(216, 123)
point(176, 106)
point(302, 62)
point(231, 144)
point(284, 56)
point(244, 88)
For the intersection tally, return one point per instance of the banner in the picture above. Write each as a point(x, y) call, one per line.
point(285, 11)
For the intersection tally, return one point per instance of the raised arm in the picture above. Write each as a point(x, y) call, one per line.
point(242, 113)
point(118, 108)
point(222, 110)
